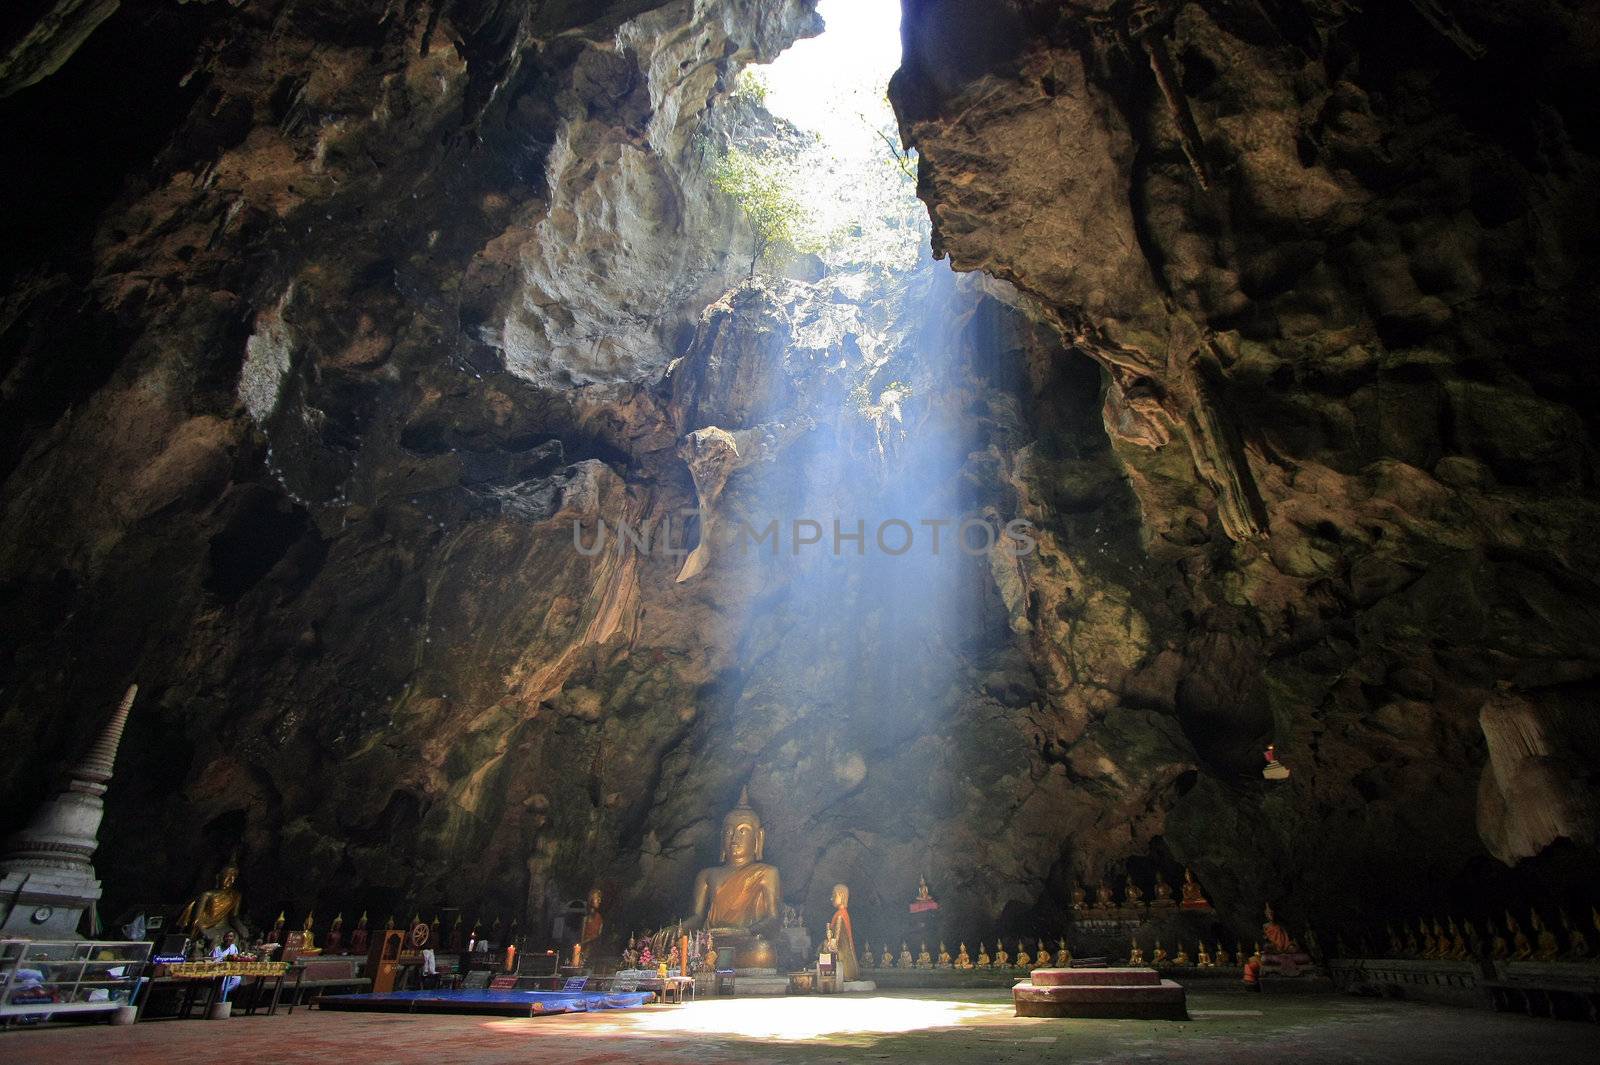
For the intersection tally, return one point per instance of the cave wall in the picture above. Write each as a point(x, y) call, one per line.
point(1334, 261)
point(318, 342)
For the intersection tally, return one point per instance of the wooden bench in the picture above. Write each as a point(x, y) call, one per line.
point(316, 975)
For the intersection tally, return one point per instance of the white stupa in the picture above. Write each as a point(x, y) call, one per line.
point(46, 878)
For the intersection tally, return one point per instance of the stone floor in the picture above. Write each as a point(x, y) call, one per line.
point(970, 1026)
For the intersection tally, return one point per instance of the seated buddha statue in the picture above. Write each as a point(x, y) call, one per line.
point(1163, 894)
point(218, 910)
point(1159, 955)
point(1577, 942)
point(1002, 960)
point(984, 961)
point(963, 959)
point(924, 959)
point(1063, 955)
point(1079, 897)
point(738, 901)
point(1222, 957)
point(1182, 957)
point(335, 938)
point(886, 959)
point(1458, 943)
point(358, 938)
point(1023, 960)
point(1277, 935)
point(905, 956)
point(944, 956)
point(1193, 897)
point(1203, 956)
point(1041, 957)
point(1103, 902)
point(1132, 896)
point(1521, 949)
point(1548, 948)
point(1135, 954)
point(277, 934)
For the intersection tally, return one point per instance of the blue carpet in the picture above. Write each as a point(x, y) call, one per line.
point(508, 1003)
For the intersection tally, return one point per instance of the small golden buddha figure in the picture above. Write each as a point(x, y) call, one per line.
point(1163, 898)
point(1577, 942)
point(1202, 956)
point(1549, 949)
point(922, 890)
point(1132, 897)
point(983, 957)
point(708, 961)
point(1458, 943)
point(1425, 938)
point(1079, 898)
point(924, 959)
point(963, 961)
point(886, 959)
point(1159, 955)
point(944, 956)
point(1182, 957)
point(1135, 955)
point(1023, 959)
point(1193, 897)
point(1002, 960)
point(739, 899)
point(218, 910)
point(906, 961)
point(1103, 901)
point(1499, 949)
point(1041, 957)
point(1222, 957)
point(1521, 949)
point(1063, 955)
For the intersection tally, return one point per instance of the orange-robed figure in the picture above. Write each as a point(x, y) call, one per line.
point(738, 900)
point(843, 935)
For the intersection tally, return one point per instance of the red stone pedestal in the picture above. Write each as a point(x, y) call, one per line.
point(1137, 994)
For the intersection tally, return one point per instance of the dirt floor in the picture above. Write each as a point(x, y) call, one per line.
point(969, 1026)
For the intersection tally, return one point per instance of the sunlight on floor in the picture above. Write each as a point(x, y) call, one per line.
point(787, 1019)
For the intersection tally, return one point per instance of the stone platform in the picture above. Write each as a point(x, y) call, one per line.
point(759, 982)
point(1135, 994)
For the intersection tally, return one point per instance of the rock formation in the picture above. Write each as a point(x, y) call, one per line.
point(328, 328)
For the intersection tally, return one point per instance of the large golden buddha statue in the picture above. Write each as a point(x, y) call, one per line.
point(738, 901)
point(218, 910)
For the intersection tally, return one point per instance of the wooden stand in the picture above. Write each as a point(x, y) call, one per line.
point(384, 962)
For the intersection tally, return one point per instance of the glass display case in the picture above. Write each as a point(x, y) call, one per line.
point(44, 978)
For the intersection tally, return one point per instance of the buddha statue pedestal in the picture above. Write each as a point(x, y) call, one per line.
point(1132, 993)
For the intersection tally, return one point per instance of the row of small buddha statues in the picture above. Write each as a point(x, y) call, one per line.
point(1134, 899)
point(1041, 958)
point(1507, 940)
point(422, 934)
point(1202, 959)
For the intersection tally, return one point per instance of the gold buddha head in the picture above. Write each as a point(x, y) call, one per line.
point(841, 896)
point(595, 898)
point(743, 840)
point(228, 877)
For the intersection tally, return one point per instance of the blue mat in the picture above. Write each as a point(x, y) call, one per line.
point(505, 1003)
